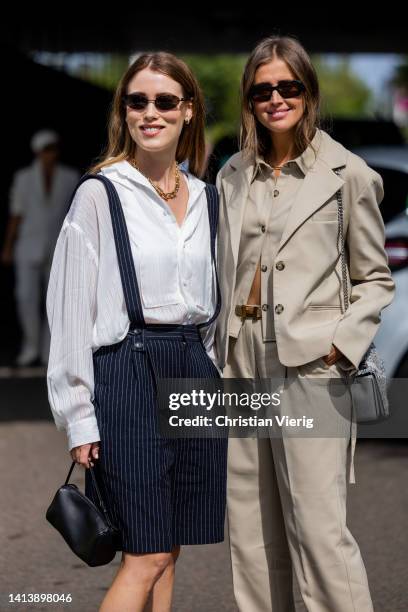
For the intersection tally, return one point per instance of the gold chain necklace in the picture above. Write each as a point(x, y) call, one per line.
point(281, 164)
point(162, 194)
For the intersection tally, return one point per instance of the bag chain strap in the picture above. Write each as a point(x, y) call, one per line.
point(340, 216)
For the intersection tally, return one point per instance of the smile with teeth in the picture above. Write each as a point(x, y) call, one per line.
point(151, 130)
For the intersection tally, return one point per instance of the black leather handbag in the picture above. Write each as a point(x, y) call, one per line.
point(86, 528)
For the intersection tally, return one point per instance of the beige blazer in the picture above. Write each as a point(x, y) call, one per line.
point(307, 294)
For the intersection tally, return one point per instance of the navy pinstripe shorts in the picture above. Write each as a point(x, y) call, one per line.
point(160, 492)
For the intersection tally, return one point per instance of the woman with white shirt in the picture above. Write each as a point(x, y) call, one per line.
point(131, 287)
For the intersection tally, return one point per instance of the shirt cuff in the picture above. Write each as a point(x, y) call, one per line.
point(84, 431)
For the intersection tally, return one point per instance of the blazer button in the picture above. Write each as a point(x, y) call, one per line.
point(265, 306)
point(264, 268)
point(263, 228)
point(279, 308)
point(280, 265)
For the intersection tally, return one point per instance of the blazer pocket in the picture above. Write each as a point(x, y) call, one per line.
point(325, 216)
point(323, 307)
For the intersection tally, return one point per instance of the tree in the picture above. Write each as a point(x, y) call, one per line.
point(343, 93)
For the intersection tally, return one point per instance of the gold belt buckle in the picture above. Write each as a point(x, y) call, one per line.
point(248, 311)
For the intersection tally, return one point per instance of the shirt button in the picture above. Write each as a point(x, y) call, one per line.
point(265, 306)
point(279, 308)
point(264, 268)
point(263, 228)
point(280, 265)
point(276, 193)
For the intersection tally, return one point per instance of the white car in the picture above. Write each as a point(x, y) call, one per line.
point(391, 162)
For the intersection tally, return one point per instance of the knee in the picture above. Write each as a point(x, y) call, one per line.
point(148, 567)
point(160, 562)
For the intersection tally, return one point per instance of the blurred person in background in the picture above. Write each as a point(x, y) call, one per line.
point(39, 197)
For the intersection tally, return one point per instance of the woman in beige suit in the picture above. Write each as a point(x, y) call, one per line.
point(283, 318)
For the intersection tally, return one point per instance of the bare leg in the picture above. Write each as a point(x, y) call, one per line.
point(161, 595)
point(134, 581)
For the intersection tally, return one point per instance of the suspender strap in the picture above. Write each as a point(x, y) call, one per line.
point(123, 250)
point(213, 213)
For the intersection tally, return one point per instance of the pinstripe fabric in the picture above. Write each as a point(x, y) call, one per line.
point(160, 492)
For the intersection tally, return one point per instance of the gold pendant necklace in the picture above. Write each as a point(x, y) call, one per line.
point(166, 196)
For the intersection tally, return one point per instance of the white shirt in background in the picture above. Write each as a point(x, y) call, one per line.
point(42, 213)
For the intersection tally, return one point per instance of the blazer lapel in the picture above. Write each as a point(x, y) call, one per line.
point(236, 189)
point(318, 186)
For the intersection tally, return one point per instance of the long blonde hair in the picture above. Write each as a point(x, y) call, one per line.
point(191, 145)
point(254, 137)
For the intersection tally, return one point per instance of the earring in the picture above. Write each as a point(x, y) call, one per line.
point(187, 121)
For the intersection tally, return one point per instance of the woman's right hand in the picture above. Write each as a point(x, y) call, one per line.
point(85, 454)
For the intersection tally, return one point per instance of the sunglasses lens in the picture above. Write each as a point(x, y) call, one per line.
point(261, 94)
point(286, 89)
point(291, 89)
point(167, 102)
point(163, 102)
point(136, 101)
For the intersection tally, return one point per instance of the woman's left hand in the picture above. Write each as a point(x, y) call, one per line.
point(333, 356)
point(85, 454)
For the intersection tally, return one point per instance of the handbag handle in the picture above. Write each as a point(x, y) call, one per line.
point(98, 493)
point(340, 216)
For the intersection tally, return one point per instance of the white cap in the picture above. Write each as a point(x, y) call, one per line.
point(42, 139)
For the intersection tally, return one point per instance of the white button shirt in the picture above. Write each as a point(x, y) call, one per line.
point(42, 213)
point(85, 302)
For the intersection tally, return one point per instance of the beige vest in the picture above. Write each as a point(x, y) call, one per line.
point(266, 212)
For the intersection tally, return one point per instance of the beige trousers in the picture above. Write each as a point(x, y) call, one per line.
point(287, 497)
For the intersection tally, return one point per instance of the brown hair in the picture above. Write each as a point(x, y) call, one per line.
point(254, 137)
point(191, 145)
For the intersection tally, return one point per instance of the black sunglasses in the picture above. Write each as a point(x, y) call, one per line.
point(262, 92)
point(163, 102)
